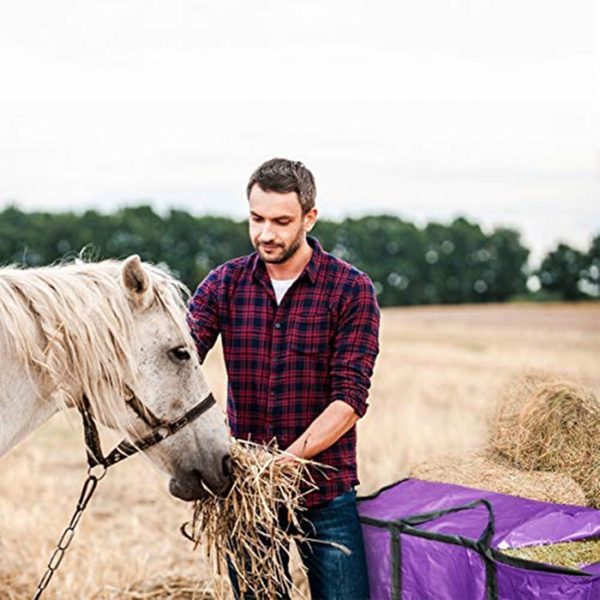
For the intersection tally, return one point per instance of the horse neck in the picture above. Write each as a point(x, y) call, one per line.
point(23, 406)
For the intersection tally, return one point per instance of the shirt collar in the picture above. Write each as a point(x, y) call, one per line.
point(311, 269)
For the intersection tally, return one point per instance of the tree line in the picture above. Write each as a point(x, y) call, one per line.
point(439, 263)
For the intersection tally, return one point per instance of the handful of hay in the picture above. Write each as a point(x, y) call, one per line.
point(245, 529)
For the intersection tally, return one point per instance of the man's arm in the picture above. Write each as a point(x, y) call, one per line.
point(203, 315)
point(325, 430)
point(356, 346)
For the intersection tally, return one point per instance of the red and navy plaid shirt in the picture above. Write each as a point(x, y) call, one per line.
point(287, 363)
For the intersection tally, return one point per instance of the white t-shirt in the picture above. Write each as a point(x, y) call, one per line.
point(281, 286)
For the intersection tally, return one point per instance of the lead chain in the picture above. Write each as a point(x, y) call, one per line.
point(87, 491)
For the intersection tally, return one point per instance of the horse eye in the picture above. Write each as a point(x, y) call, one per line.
point(179, 354)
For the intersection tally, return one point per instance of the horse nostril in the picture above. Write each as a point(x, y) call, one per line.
point(227, 466)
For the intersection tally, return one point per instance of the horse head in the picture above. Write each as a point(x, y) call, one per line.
point(169, 381)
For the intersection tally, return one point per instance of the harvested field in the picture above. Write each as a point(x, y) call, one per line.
point(176, 588)
point(439, 372)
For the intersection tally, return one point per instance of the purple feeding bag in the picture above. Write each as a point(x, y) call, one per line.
point(426, 540)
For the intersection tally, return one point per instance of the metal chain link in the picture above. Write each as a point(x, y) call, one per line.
point(87, 491)
point(99, 464)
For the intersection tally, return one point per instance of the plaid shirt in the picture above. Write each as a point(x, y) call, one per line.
point(287, 363)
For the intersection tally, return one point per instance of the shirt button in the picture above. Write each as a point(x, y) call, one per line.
point(277, 325)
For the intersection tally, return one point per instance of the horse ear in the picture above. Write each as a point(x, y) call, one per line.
point(135, 279)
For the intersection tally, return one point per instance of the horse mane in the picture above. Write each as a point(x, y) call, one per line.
point(74, 323)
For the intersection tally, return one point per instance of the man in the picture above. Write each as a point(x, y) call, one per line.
point(300, 336)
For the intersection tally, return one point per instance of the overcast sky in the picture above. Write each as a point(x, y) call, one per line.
point(427, 110)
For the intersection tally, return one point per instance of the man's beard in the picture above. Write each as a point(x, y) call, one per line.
point(287, 252)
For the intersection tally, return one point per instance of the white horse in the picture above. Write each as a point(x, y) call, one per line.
point(102, 331)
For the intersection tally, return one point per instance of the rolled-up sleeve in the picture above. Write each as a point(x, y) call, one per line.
point(356, 345)
point(203, 315)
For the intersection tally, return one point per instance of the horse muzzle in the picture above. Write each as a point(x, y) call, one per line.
point(193, 485)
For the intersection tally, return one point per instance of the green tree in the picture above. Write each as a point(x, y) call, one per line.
point(591, 273)
point(562, 271)
point(440, 263)
point(509, 270)
point(464, 264)
point(456, 256)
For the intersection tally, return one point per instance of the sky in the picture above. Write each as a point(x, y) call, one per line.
point(427, 110)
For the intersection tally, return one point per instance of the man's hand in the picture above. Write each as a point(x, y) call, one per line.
point(286, 459)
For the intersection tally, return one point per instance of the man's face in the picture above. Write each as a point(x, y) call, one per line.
point(277, 225)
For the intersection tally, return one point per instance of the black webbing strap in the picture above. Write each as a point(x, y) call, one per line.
point(165, 430)
point(93, 447)
point(126, 448)
point(485, 538)
point(143, 412)
point(396, 557)
point(410, 526)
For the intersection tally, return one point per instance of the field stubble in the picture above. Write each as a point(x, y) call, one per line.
point(435, 384)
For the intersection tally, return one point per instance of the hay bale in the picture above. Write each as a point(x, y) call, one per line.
point(549, 424)
point(244, 529)
point(573, 555)
point(591, 484)
point(483, 472)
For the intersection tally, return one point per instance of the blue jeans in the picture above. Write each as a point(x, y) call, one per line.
point(332, 573)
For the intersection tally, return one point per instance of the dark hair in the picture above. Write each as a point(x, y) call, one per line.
point(283, 175)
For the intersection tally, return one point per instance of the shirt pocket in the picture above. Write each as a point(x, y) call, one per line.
point(311, 332)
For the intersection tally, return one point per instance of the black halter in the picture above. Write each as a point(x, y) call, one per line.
point(161, 430)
